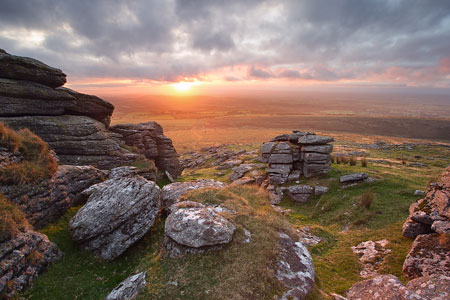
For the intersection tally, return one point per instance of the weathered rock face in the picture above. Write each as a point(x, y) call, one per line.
point(129, 288)
point(293, 155)
point(382, 287)
point(25, 68)
point(117, 214)
point(22, 258)
point(194, 228)
point(150, 141)
point(78, 140)
point(171, 193)
point(50, 199)
point(431, 213)
point(127, 171)
point(239, 171)
point(75, 125)
point(429, 255)
point(434, 287)
point(294, 268)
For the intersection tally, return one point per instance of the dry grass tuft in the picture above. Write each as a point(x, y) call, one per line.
point(12, 219)
point(37, 163)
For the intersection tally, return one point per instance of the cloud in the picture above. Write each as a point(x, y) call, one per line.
point(293, 40)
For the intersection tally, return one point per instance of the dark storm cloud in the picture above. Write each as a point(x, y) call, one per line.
point(168, 40)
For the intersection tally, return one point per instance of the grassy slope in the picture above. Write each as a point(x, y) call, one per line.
point(337, 217)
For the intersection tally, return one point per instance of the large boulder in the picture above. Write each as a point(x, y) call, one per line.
point(117, 213)
point(429, 255)
point(300, 193)
point(432, 212)
point(354, 177)
point(75, 125)
point(25, 68)
point(46, 201)
point(129, 288)
point(23, 98)
point(294, 268)
point(389, 287)
point(194, 228)
point(382, 287)
point(78, 140)
point(149, 140)
point(171, 193)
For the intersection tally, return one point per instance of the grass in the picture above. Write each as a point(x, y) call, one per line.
point(240, 271)
point(341, 218)
point(12, 219)
point(37, 163)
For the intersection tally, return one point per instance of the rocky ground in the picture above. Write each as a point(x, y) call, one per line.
point(301, 216)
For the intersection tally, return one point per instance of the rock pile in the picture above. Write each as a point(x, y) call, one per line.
point(22, 258)
point(291, 156)
point(75, 125)
point(429, 224)
point(46, 201)
point(431, 213)
point(150, 141)
point(371, 255)
point(118, 213)
point(219, 156)
point(192, 227)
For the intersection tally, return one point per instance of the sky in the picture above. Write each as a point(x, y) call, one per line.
point(202, 46)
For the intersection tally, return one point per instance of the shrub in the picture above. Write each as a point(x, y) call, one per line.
point(338, 160)
point(12, 219)
point(344, 160)
point(352, 161)
point(333, 159)
point(364, 162)
point(367, 199)
point(37, 163)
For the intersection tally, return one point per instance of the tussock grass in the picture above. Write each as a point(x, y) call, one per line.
point(241, 270)
point(37, 164)
point(12, 219)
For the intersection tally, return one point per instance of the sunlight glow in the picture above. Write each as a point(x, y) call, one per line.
point(184, 86)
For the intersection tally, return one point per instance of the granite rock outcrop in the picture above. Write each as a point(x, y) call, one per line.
point(291, 156)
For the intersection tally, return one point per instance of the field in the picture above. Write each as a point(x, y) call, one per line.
point(195, 122)
point(339, 218)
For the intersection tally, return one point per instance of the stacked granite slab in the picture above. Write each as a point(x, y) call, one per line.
point(291, 156)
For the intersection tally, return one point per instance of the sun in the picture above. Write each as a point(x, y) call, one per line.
point(182, 86)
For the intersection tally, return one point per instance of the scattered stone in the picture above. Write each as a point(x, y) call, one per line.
point(129, 288)
point(171, 193)
point(248, 236)
point(117, 214)
point(320, 190)
point(244, 180)
point(169, 177)
point(371, 256)
point(419, 193)
point(229, 164)
point(307, 238)
point(239, 171)
point(300, 193)
point(294, 268)
point(429, 255)
point(46, 201)
point(353, 177)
